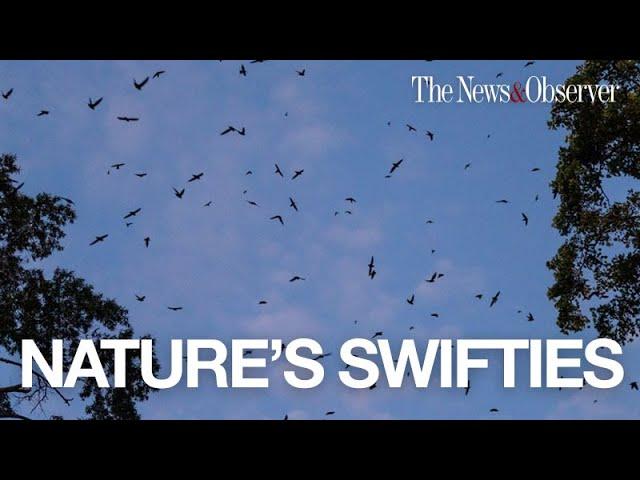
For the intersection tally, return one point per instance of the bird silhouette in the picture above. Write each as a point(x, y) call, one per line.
point(128, 224)
point(140, 175)
point(350, 200)
point(301, 72)
point(229, 129)
point(132, 213)
point(494, 299)
point(479, 296)
point(286, 417)
point(158, 73)
point(195, 177)
point(146, 242)
point(372, 266)
point(262, 302)
point(99, 238)
point(249, 172)
point(530, 317)
point(257, 61)
point(411, 128)
point(296, 174)
point(175, 309)
point(278, 171)
point(293, 204)
point(430, 135)
point(499, 75)
point(433, 278)
point(92, 105)
point(634, 385)
point(141, 84)
point(525, 219)
point(395, 165)
point(330, 412)
point(529, 63)
point(118, 166)
point(178, 193)
point(296, 279)
point(128, 119)
point(494, 410)
point(467, 388)
point(429, 222)
point(435, 315)
point(376, 335)
point(208, 204)
point(140, 298)
point(502, 201)
point(372, 386)
point(243, 71)
point(466, 167)
point(535, 169)
point(279, 218)
point(7, 94)
point(42, 113)
point(251, 202)
point(411, 299)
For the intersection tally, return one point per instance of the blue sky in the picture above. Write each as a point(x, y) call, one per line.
point(218, 262)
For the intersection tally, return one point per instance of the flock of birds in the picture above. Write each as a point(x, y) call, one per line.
point(241, 131)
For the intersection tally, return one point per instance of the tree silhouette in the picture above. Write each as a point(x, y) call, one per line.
point(597, 268)
point(64, 306)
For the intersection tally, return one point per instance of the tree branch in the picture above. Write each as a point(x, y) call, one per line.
point(66, 400)
point(14, 389)
point(14, 415)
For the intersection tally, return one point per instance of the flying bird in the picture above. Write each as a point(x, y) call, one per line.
point(499, 75)
point(178, 193)
point(293, 204)
point(467, 388)
point(99, 238)
point(251, 202)
point(435, 315)
point(530, 317)
point(429, 222)
point(208, 204)
point(537, 197)
point(43, 113)
point(372, 386)
point(411, 299)
point(634, 385)
point(278, 171)
point(525, 219)
point(296, 174)
point(128, 119)
point(132, 213)
point(494, 299)
point(140, 175)
point(141, 84)
point(350, 200)
point(430, 135)
point(146, 242)
point(279, 218)
point(377, 334)
point(529, 63)
point(158, 73)
point(243, 71)
point(301, 72)
point(494, 410)
point(330, 412)
point(433, 278)
point(262, 302)
point(502, 201)
point(128, 224)
point(118, 166)
point(256, 61)
point(229, 129)
point(479, 296)
point(175, 309)
point(535, 169)
point(321, 356)
point(395, 165)
point(249, 172)
point(296, 279)
point(92, 105)
point(140, 298)
point(7, 94)
point(195, 177)
point(411, 128)
point(466, 167)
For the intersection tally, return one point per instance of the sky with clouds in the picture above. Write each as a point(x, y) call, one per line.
point(218, 262)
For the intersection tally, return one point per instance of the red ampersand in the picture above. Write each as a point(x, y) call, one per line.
point(516, 94)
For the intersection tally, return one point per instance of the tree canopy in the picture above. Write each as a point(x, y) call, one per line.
point(597, 268)
point(63, 306)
